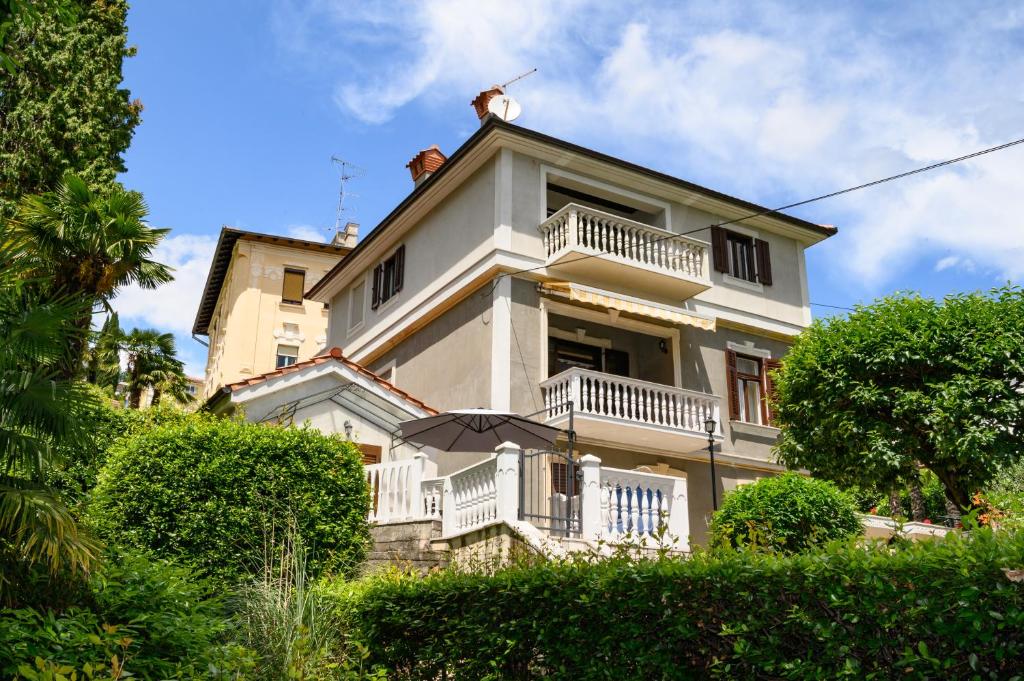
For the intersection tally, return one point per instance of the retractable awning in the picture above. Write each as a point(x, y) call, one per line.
point(624, 303)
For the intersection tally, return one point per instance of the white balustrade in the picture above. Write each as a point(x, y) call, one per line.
point(576, 227)
point(471, 497)
point(433, 493)
point(640, 504)
point(628, 399)
point(398, 490)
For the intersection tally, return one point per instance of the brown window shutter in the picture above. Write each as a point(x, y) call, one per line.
point(732, 378)
point(371, 454)
point(718, 249)
point(399, 268)
point(378, 275)
point(770, 365)
point(764, 262)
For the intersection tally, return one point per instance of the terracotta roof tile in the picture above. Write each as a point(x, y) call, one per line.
point(332, 355)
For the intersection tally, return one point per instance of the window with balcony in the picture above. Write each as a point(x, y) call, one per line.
point(750, 384)
point(287, 355)
point(741, 256)
point(388, 278)
point(293, 286)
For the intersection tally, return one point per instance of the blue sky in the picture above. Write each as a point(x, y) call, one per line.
point(775, 102)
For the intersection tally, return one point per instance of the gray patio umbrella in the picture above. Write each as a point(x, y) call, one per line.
point(477, 430)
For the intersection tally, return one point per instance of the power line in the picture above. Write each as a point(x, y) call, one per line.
point(834, 307)
point(769, 211)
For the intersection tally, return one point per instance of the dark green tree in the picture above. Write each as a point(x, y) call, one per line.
point(62, 107)
point(907, 381)
point(103, 360)
point(153, 363)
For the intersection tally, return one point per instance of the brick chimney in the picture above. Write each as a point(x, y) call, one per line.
point(348, 237)
point(425, 163)
point(483, 99)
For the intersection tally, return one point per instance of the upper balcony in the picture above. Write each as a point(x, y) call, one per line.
point(627, 255)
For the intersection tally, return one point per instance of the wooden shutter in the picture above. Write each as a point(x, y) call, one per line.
point(399, 268)
point(732, 378)
point(764, 262)
point(718, 249)
point(770, 365)
point(378, 276)
point(371, 454)
point(293, 285)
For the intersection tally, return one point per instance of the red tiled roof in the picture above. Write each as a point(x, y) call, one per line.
point(332, 355)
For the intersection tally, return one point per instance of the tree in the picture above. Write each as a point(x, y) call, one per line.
point(38, 410)
point(863, 399)
point(103, 359)
point(62, 109)
point(89, 244)
point(152, 363)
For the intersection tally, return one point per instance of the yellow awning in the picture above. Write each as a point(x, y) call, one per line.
point(585, 294)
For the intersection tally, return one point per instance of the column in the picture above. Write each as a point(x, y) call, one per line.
point(507, 481)
point(679, 515)
point(590, 496)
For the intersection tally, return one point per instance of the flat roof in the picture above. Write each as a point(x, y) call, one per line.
point(492, 122)
point(222, 259)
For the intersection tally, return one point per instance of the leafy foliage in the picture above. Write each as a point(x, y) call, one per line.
point(862, 399)
point(1006, 495)
point(150, 614)
point(788, 512)
point(63, 108)
point(209, 492)
point(153, 363)
point(843, 611)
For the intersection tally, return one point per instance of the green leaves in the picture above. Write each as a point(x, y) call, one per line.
point(862, 399)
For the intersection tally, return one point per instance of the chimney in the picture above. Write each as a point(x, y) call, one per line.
point(425, 163)
point(347, 238)
point(483, 99)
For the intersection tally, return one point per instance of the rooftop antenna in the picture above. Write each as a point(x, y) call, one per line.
point(347, 171)
point(504, 106)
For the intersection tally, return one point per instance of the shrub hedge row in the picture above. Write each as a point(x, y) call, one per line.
point(942, 609)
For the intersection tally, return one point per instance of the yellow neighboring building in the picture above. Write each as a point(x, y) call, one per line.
point(253, 311)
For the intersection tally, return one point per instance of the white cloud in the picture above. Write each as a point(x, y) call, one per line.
point(771, 101)
point(307, 232)
point(171, 307)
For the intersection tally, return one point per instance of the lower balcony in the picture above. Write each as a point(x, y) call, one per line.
point(627, 411)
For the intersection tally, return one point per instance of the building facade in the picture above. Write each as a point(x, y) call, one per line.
point(253, 311)
point(527, 274)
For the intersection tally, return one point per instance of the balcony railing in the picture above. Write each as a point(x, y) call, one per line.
point(627, 400)
point(578, 229)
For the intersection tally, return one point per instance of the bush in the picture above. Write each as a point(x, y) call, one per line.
point(1006, 495)
point(789, 512)
point(940, 609)
point(149, 613)
point(211, 493)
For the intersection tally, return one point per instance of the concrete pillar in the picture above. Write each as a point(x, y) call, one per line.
point(415, 489)
point(507, 481)
point(448, 520)
point(590, 496)
point(679, 515)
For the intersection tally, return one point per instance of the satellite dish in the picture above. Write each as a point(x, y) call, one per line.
point(504, 107)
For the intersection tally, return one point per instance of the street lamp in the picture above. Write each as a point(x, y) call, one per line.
point(709, 428)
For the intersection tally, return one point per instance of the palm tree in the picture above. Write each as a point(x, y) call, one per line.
point(152, 363)
point(90, 245)
point(38, 409)
point(103, 357)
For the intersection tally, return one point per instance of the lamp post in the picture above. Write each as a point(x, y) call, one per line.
point(709, 428)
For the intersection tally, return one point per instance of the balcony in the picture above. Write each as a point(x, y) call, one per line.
point(627, 411)
point(629, 255)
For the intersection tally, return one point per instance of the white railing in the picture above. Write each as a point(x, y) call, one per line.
point(627, 399)
point(471, 497)
point(576, 227)
point(633, 502)
point(433, 493)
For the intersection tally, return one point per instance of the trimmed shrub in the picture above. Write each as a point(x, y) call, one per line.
point(159, 623)
point(213, 493)
point(789, 512)
point(940, 609)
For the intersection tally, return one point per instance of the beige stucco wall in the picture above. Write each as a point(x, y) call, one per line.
point(249, 312)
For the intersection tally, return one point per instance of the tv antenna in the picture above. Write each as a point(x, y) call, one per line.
point(347, 171)
point(504, 106)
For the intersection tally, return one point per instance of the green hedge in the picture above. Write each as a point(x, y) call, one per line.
point(788, 512)
point(940, 609)
point(212, 494)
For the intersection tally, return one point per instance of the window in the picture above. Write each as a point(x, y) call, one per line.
point(564, 355)
point(741, 256)
point(388, 278)
point(286, 355)
point(191, 389)
point(355, 305)
point(294, 286)
point(750, 384)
